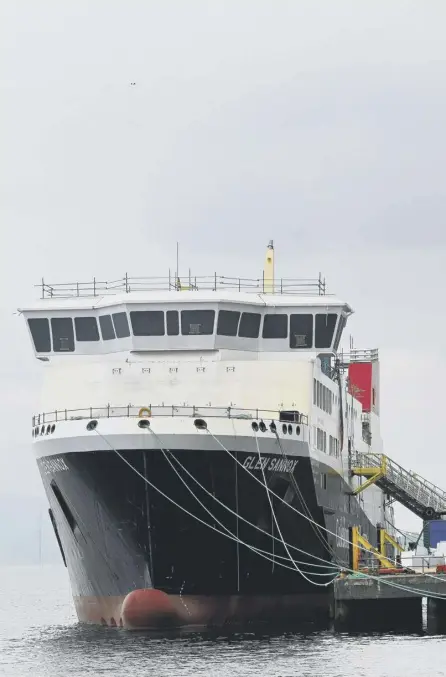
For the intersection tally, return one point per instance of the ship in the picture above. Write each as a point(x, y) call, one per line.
point(194, 438)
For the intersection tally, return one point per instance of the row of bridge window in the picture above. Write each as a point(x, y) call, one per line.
point(303, 329)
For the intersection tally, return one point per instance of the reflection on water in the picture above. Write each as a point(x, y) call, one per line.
point(39, 636)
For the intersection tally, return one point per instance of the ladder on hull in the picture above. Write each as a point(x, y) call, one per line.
point(414, 492)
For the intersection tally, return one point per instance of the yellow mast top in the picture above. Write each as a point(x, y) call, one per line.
point(268, 271)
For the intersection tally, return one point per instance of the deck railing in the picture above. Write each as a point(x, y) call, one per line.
point(133, 411)
point(127, 284)
point(358, 355)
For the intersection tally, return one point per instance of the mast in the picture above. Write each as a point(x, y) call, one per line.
point(268, 270)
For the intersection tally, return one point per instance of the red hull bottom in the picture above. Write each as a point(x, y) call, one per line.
point(152, 609)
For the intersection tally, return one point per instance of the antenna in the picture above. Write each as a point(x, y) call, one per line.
point(177, 273)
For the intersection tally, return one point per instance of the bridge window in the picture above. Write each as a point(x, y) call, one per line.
point(197, 322)
point(227, 322)
point(63, 334)
point(147, 322)
point(275, 326)
point(121, 324)
point(341, 324)
point(107, 330)
point(325, 326)
point(86, 329)
point(40, 332)
point(301, 331)
point(249, 325)
point(173, 324)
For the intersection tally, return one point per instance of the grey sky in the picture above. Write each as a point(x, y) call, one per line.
point(317, 123)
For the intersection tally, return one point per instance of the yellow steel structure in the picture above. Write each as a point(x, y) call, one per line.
point(374, 473)
point(416, 493)
point(359, 543)
point(268, 271)
point(384, 538)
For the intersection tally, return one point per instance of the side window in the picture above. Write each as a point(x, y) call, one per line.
point(147, 322)
point(121, 324)
point(227, 322)
point(197, 322)
point(325, 326)
point(173, 324)
point(249, 325)
point(107, 330)
point(86, 329)
point(63, 334)
point(275, 326)
point(40, 332)
point(301, 331)
point(341, 324)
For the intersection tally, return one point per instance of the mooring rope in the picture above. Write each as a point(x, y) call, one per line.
point(277, 523)
point(421, 593)
point(263, 553)
point(233, 512)
point(316, 528)
point(210, 526)
point(307, 517)
point(343, 567)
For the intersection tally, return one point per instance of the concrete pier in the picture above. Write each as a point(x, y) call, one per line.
point(363, 604)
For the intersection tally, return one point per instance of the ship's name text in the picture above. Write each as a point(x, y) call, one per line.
point(274, 464)
point(53, 465)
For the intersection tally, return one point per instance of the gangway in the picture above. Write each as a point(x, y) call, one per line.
point(416, 493)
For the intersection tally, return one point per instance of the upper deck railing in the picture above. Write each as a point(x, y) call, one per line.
point(358, 355)
point(149, 411)
point(213, 282)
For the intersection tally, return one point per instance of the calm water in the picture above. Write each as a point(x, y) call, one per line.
point(39, 636)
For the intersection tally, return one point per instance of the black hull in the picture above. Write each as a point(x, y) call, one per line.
point(137, 560)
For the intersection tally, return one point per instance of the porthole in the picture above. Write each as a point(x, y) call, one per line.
point(298, 430)
point(53, 428)
point(262, 426)
point(290, 429)
point(272, 427)
point(200, 424)
point(42, 430)
point(48, 429)
point(92, 425)
point(255, 426)
point(144, 423)
point(284, 429)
